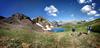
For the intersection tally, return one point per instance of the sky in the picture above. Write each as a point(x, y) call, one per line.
point(59, 10)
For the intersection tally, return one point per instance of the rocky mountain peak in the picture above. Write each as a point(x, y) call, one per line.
point(17, 18)
point(20, 16)
point(1, 17)
point(39, 19)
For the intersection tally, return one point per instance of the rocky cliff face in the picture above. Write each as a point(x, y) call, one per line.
point(43, 23)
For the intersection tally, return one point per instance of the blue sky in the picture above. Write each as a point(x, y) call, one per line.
point(63, 10)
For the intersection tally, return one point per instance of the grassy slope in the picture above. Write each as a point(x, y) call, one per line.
point(19, 38)
point(79, 28)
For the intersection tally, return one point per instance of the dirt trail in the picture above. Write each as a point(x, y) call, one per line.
point(60, 35)
point(73, 38)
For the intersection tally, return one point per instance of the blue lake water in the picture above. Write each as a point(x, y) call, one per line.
point(57, 30)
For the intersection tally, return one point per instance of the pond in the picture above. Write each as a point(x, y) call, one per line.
point(57, 30)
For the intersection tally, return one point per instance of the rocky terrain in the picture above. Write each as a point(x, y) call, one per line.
point(20, 21)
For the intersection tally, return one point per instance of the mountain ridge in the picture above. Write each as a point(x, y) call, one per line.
point(21, 21)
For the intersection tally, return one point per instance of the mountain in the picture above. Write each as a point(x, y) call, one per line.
point(20, 21)
point(43, 23)
point(1, 17)
point(17, 18)
point(95, 25)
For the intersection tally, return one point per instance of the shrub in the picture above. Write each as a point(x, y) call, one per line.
point(96, 27)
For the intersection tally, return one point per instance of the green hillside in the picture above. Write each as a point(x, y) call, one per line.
point(83, 27)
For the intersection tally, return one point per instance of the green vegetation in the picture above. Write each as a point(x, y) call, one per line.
point(21, 38)
point(26, 38)
point(96, 27)
point(83, 27)
point(79, 28)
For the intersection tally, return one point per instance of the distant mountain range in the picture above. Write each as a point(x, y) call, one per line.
point(20, 21)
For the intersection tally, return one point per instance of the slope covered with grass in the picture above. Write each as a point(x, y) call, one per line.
point(21, 38)
point(83, 27)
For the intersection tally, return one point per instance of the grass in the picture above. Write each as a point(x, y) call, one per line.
point(79, 28)
point(16, 39)
point(22, 38)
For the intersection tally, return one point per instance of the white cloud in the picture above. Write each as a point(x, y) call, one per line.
point(92, 12)
point(89, 9)
point(54, 14)
point(97, 14)
point(87, 20)
point(81, 1)
point(93, 4)
point(88, 1)
point(52, 10)
point(86, 8)
point(91, 18)
point(84, 1)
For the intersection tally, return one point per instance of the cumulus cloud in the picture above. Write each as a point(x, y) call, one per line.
point(86, 8)
point(92, 12)
point(81, 1)
point(89, 9)
point(97, 14)
point(52, 10)
point(84, 1)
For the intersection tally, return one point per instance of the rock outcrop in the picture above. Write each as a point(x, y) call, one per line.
point(43, 23)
